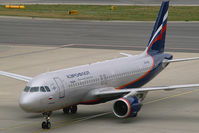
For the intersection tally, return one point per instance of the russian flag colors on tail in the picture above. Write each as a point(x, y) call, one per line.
point(157, 39)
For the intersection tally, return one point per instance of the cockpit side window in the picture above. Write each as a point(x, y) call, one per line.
point(47, 88)
point(42, 89)
point(26, 89)
point(34, 89)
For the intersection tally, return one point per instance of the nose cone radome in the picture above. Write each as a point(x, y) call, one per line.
point(29, 103)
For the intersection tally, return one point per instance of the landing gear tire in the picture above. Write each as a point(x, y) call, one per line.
point(66, 110)
point(46, 124)
point(73, 109)
point(43, 125)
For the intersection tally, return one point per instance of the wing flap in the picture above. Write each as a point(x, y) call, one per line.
point(110, 92)
point(15, 76)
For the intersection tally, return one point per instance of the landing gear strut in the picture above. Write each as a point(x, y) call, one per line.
point(46, 124)
point(72, 109)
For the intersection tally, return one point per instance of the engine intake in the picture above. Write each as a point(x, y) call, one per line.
point(127, 107)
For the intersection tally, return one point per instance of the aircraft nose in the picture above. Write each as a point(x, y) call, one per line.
point(27, 103)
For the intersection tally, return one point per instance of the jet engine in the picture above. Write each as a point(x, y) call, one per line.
point(127, 107)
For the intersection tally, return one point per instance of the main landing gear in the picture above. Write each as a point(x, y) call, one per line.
point(46, 124)
point(72, 109)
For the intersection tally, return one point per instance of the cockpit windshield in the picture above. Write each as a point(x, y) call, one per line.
point(34, 89)
point(47, 88)
point(27, 89)
point(37, 89)
point(42, 89)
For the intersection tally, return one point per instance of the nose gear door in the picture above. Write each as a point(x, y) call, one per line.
point(60, 86)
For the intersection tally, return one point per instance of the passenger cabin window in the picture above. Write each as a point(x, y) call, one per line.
point(26, 89)
point(34, 89)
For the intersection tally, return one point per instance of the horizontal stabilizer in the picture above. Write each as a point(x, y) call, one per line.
point(125, 54)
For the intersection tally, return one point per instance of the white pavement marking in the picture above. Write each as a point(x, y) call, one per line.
point(109, 21)
point(123, 46)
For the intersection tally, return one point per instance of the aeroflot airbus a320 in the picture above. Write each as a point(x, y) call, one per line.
point(119, 79)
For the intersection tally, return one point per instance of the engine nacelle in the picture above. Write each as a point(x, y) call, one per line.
point(127, 107)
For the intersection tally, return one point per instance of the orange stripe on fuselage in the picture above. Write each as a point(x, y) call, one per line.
point(139, 77)
point(158, 38)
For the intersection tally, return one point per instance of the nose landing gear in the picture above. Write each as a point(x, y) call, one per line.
point(46, 124)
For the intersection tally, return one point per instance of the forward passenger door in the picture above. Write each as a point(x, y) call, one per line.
point(60, 86)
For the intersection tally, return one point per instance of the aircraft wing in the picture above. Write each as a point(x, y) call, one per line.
point(110, 91)
point(16, 76)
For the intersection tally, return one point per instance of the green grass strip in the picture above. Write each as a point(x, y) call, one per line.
point(101, 12)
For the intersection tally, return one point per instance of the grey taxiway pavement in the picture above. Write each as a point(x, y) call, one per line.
point(30, 47)
point(163, 111)
point(181, 2)
point(181, 36)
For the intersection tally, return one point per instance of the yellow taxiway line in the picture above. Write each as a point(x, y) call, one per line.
point(74, 121)
point(172, 96)
point(102, 114)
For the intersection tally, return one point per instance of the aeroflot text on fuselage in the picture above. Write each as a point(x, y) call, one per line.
point(79, 85)
point(78, 74)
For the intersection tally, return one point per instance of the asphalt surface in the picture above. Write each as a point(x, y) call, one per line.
point(30, 47)
point(181, 36)
point(106, 2)
point(163, 111)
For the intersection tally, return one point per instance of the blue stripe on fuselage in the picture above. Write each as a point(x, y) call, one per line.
point(158, 67)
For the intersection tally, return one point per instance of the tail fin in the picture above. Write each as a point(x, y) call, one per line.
point(157, 40)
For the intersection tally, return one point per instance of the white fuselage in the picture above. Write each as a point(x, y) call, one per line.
point(75, 85)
